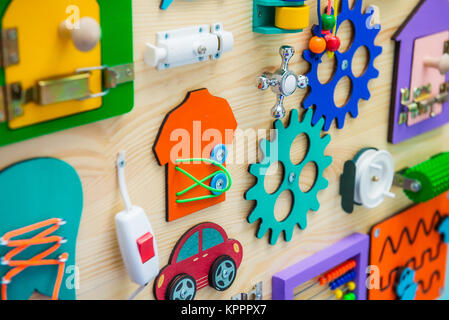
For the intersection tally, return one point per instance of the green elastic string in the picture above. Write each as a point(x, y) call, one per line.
point(201, 182)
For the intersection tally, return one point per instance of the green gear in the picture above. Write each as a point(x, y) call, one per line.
point(278, 150)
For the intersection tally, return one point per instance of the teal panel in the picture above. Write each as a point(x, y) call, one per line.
point(211, 238)
point(33, 191)
point(190, 247)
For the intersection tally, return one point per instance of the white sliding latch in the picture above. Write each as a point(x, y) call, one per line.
point(188, 45)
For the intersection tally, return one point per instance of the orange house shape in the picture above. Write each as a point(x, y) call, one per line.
point(191, 131)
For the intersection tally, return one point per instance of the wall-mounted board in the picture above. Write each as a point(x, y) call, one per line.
point(91, 149)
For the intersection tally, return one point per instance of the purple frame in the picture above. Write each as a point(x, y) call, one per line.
point(429, 17)
point(355, 246)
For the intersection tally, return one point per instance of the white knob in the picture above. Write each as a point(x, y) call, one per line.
point(154, 55)
point(442, 63)
point(85, 37)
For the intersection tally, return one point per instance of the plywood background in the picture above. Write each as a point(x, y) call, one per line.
point(92, 149)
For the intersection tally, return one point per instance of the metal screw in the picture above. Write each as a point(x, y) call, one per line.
point(377, 233)
point(201, 49)
point(13, 58)
point(12, 34)
point(129, 72)
point(375, 179)
point(344, 65)
point(18, 111)
point(416, 92)
point(291, 177)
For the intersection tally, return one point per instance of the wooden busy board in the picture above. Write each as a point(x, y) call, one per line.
point(91, 149)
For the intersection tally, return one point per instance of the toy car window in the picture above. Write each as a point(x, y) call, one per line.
point(190, 247)
point(211, 238)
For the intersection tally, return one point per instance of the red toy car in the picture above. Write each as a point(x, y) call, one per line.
point(203, 255)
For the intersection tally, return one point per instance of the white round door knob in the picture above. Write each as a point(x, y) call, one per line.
point(85, 36)
point(374, 177)
point(442, 63)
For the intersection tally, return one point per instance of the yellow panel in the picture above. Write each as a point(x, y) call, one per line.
point(44, 54)
point(292, 18)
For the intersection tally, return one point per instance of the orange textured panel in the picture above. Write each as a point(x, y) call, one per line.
point(410, 239)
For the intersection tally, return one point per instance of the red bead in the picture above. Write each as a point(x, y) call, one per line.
point(332, 43)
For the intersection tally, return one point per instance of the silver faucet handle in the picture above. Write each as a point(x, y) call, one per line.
point(286, 53)
point(265, 81)
point(303, 82)
point(278, 111)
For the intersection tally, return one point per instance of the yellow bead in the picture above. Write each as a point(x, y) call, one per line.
point(338, 294)
point(351, 285)
point(292, 18)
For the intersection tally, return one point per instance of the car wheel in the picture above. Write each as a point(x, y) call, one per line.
point(182, 287)
point(222, 273)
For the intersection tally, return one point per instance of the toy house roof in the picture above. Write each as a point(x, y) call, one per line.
point(428, 17)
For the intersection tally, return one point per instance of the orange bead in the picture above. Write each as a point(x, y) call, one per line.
point(317, 45)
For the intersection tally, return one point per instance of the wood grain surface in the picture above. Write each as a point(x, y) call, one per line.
point(92, 148)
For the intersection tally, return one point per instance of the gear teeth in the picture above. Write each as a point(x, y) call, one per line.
point(302, 223)
point(294, 117)
point(327, 159)
point(354, 112)
point(262, 231)
point(274, 236)
point(315, 206)
point(254, 169)
point(357, 7)
point(317, 119)
point(328, 123)
point(253, 217)
point(288, 234)
point(278, 125)
point(341, 121)
point(344, 5)
point(365, 94)
point(308, 116)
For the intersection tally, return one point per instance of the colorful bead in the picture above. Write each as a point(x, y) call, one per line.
point(332, 43)
point(349, 296)
point(317, 45)
point(328, 22)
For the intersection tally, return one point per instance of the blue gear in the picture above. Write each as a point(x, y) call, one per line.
point(279, 150)
point(322, 95)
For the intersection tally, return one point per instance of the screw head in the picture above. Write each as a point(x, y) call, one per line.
point(377, 233)
point(201, 50)
point(291, 177)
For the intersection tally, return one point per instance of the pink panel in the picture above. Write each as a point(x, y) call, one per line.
point(430, 46)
